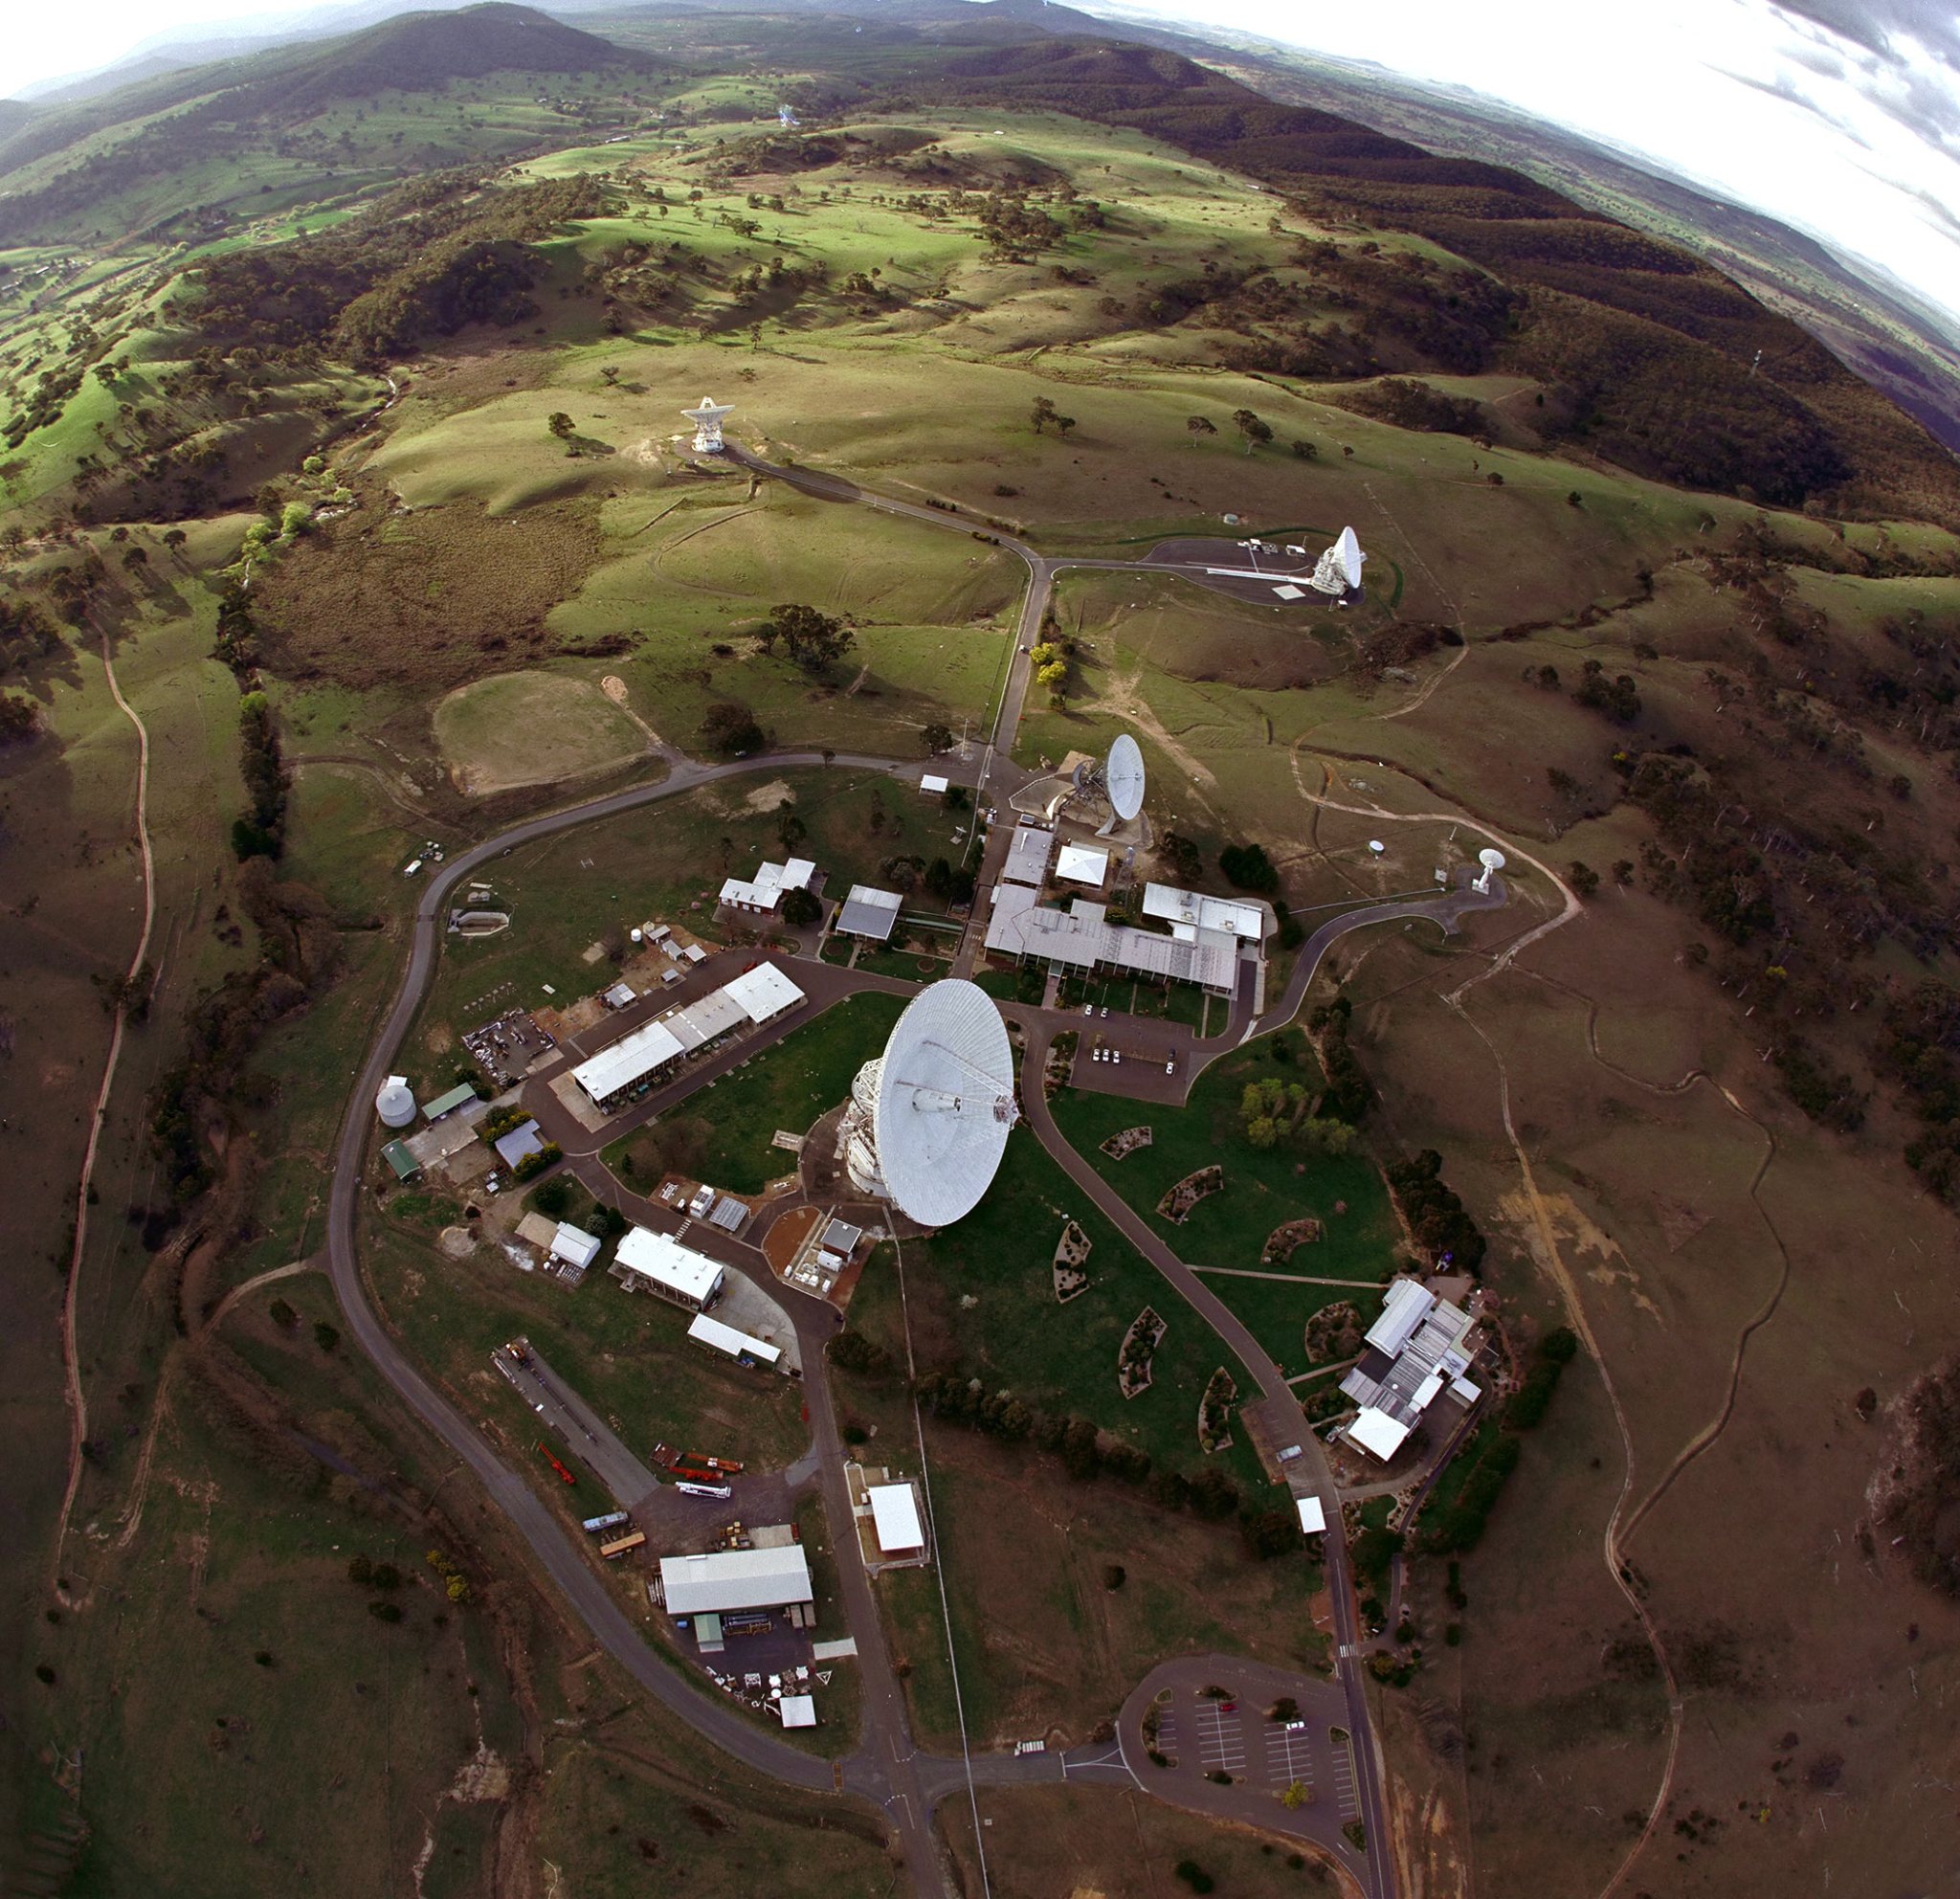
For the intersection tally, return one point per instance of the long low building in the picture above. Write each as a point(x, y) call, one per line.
point(737, 1344)
point(664, 1265)
point(1168, 903)
point(1082, 939)
point(725, 1581)
point(757, 995)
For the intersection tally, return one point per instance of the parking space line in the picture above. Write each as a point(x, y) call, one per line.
point(1343, 1782)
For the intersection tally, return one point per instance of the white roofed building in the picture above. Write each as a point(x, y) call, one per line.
point(1082, 939)
point(762, 993)
point(894, 1517)
point(757, 995)
point(869, 912)
point(573, 1246)
point(759, 894)
point(1416, 1349)
point(662, 1264)
point(725, 1581)
point(1028, 854)
point(709, 1331)
point(1077, 863)
point(1235, 917)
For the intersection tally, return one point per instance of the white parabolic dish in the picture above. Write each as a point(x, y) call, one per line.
point(1123, 777)
point(1351, 556)
point(945, 1102)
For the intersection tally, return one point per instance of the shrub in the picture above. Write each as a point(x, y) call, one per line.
point(552, 1196)
point(385, 1612)
point(325, 1336)
point(1193, 1874)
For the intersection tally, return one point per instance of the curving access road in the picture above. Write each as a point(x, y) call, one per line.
point(885, 1769)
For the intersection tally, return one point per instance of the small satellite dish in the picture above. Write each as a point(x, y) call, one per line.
point(1376, 848)
point(943, 1103)
point(637, 934)
point(1123, 776)
point(1492, 861)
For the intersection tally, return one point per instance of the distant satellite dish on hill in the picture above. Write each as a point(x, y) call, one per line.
point(1492, 861)
point(927, 1121)
point(1123, 777)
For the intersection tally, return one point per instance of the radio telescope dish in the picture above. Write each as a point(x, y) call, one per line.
point(941, 1104)
point(1338, 570)
point(1492, 861)
point(1123, 777)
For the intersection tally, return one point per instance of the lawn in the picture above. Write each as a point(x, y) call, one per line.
point(789, 1085)
point(983, 1299)
point(625, 1354)
point(1261, 1192)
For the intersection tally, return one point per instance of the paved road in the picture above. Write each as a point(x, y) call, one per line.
point(886, 1768)
point(1275, 1417)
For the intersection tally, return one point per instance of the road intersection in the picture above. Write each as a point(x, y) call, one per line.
point(886, 1768)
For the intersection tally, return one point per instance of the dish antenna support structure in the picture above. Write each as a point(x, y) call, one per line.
point(1492, 861)
point(928, 1120)
point(1119, 779)
point(707, 420)
point(1338, 570)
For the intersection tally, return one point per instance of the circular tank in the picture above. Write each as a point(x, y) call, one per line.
point(396, 1105)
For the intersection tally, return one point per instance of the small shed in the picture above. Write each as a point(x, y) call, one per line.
point(799, 1710)
point(522, 1141)
point(448, 1103)
point(934, 784)
point(1313, 1518)
point(895, 1514)
point(576, 1247)
point(398, 1158)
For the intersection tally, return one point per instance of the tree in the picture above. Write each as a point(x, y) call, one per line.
point(1043, 414)
point(801, 908)
point(175, 538)
point(1247, 867)
point(812, 640)
point(730, 728)
point(1307, 451)
point(560, 424)
point(1584, 879)
point(1198, 426)
point(938, 737)
point(1249, 425)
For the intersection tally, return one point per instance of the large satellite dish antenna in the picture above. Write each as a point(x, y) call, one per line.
point(1338, 570)
point(1492, 861)
point(940, 1103)
point(1123, 777)
point(707, 417)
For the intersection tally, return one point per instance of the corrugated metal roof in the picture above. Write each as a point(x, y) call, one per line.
point(726, 1338)
point(729, 1579)
point(895, 1512)
point(448, 1102)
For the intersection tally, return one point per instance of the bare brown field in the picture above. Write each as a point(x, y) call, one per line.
point(427, 599)
point(1064, 1843)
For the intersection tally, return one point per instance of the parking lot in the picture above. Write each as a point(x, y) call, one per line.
point(506, 1048)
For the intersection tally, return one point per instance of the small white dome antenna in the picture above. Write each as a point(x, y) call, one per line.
point(1492, 861)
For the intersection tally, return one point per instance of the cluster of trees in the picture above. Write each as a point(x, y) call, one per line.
point(1529, 1402)
point(1920, 1052)
point(426, 259)
point(259, 831)
point(1044, 415)
point(1618, 698)
point(21, 718)
point(1078, 1443)
point(1050, 660)
point(1438, 1223)
point(1248, 868)
point(1410, 403)
point(1272, 1109)
point(1349, 1094)
point(730, 728)
point(813, 640)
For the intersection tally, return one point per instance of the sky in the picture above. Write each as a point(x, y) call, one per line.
point(1839, 116)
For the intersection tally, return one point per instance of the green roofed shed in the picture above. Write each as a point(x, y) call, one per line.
point(397, 1155)
point(434, 1110)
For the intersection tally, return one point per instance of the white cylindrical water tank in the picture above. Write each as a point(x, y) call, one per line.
point(394, 1103)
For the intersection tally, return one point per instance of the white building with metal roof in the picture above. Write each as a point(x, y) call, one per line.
point(1170, 905)
point(755, 996)
point(1415, 1349)
point(870, 913)
point(1077, 863)
point(762, 993)
point(1028, 855)
point(894, 1517)
point(663, 1263)
point(1082, 938)
point(761, 893)
point(574, 1246)
point(709, 1331)
point(724, 1581)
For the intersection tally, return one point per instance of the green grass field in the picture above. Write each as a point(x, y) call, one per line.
point(1056, 1358)
point(1262, 1190)
point(787, 1086)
